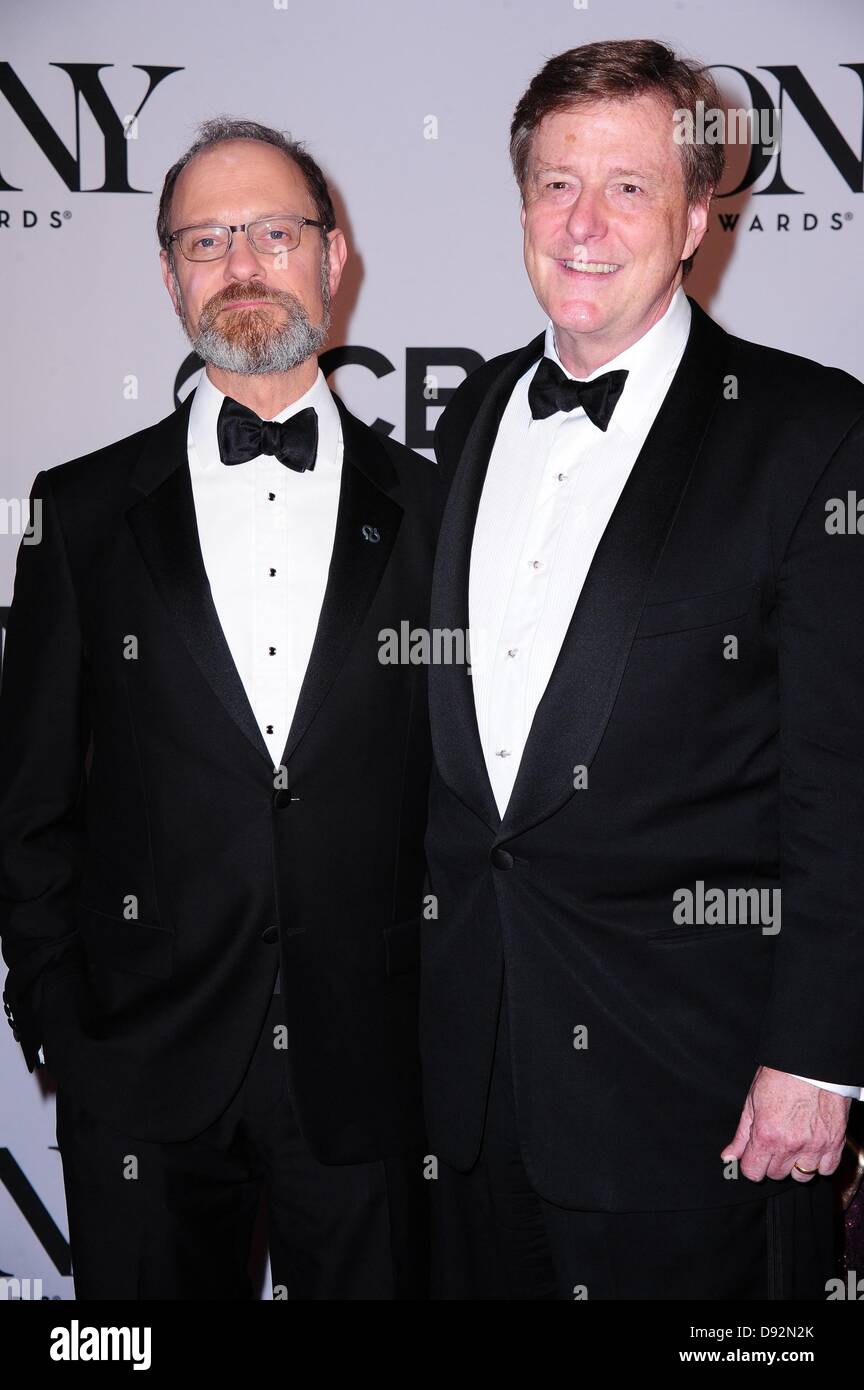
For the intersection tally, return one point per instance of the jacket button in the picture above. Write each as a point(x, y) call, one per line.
point(270, 934)
point(501, 858)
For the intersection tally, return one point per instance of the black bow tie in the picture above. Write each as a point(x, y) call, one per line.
point(551, 390)
point(242, 435)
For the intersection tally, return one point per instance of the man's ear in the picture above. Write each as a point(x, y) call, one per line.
point(522, 215)
point(338, 257)
point(169, 280)
point(697, 225)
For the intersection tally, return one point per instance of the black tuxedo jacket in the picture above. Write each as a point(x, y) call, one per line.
point(742, 773)
point(151, 886)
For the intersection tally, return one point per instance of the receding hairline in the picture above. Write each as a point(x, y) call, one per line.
point(221, 145)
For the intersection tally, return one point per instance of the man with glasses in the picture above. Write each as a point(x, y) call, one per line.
point(212, 791)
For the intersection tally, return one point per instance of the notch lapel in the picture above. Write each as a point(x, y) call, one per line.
point(356, 566)
point(572, 715)
point(165, 528)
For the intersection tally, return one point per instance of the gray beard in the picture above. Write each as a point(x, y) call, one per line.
point(264, 349)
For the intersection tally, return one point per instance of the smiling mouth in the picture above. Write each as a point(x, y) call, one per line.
point(592, 267)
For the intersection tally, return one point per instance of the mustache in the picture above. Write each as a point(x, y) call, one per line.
point(226, 297)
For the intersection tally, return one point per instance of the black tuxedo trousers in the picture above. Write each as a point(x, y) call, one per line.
point(183, 1224)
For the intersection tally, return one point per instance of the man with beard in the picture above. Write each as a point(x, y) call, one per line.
point(213, 791)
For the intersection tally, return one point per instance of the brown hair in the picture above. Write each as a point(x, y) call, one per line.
point(222, 128)
point(619, 70)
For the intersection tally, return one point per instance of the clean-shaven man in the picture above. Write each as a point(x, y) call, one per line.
point(641, 1018)
point(213, 793)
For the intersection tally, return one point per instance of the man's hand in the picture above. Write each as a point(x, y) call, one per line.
point(786, 1121)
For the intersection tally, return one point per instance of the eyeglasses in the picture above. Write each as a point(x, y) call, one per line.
point(269, 235)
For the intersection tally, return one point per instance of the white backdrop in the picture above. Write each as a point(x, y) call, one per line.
point(91, 347)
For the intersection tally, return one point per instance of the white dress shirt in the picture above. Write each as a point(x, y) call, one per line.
point(266, 534)
point(549, 492)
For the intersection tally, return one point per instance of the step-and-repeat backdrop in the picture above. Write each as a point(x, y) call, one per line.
point(407, 106)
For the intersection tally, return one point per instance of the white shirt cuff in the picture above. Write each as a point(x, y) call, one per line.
point(854, 1091)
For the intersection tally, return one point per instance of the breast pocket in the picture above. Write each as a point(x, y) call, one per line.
point(685, 935)
point(702, 610)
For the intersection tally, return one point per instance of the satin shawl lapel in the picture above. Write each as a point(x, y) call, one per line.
point(575, 708)
point(573, 713)
point(456, 740)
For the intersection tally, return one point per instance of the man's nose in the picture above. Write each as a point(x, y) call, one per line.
point(586, 217)
point(241, 261)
